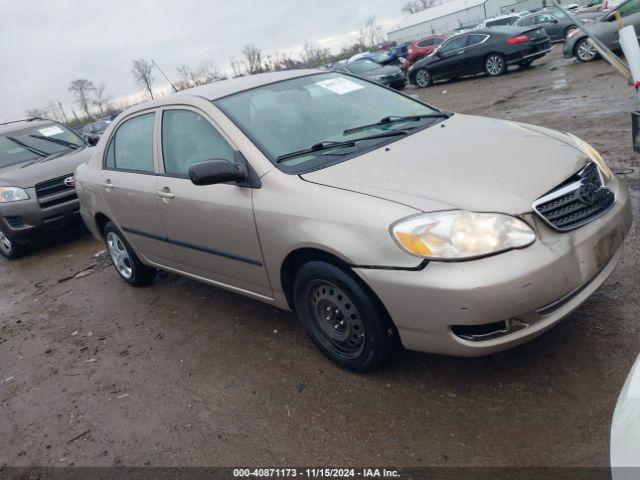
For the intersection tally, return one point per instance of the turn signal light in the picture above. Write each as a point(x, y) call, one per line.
point(518, 39)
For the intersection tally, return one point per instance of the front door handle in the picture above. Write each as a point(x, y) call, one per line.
point(165, 194)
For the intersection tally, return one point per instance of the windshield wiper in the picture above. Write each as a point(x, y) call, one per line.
point(325, 145)
point(28, 147)
point(59, 141)
point(394, 119)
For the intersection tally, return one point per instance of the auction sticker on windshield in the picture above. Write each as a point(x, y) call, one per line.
point(339, 85)
point(50, 131)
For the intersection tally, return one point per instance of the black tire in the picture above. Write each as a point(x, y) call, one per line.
point(422, 78)
point(495, 65)
point(584, 52)
point(360, 337)
point(130, 268)
point(10, 249)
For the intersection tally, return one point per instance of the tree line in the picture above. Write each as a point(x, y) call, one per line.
point(92, 101)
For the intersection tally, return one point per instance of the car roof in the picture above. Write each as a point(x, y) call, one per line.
point(18, 125)
point(224, 88)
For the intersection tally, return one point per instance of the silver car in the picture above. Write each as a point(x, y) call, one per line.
point(380, 220)
point(603, 27)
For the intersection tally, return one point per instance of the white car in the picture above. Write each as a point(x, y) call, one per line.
point(625, 429)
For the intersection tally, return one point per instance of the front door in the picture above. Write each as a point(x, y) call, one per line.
point(449, 61)
point(211, 228)
point(128, 186)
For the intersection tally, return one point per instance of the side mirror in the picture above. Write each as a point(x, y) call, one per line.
point(554, 20)
point(215, 171)
point(93, 140)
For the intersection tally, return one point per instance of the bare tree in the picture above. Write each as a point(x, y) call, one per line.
point(370, 33)
point(206, 73)
point(314, 56)
point(253, 59)
point(82, 89)
point(37, 113)
point(237, 67)
point(415, 6)
point(101, 99)
point(142, 74)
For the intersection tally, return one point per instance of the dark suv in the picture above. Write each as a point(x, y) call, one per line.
point(37, 186)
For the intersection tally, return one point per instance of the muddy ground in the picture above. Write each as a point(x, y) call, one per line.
point(94, 372)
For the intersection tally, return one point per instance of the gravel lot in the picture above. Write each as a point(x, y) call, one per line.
point(95, 373)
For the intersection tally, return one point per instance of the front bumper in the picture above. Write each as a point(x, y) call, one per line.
point(538, 285)
point(27, 218)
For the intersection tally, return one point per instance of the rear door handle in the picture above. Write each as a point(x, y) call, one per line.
point(165, 194)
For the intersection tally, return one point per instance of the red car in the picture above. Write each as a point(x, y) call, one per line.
point(423, 47)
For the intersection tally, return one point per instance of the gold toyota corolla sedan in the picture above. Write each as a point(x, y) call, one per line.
point(380, 220)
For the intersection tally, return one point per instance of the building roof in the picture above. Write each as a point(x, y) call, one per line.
point(438, 11)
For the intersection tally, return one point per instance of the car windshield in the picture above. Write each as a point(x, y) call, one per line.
point(296, 114)
point(36, 142)
point(99, 126)
point(361, 66)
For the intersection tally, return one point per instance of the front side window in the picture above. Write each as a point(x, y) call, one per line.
point(37, 142)
point(131, 147)
point(454, 44)
point(293, 115)
point(628, 8)
point(189, 138)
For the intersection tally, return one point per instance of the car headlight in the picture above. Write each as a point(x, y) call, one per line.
point(379, 77)
point(461, 235)
point(12, 194)
point(594, 156)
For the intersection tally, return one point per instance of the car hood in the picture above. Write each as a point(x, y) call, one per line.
point(466, 162)
point(388, 70)
point(26, 175)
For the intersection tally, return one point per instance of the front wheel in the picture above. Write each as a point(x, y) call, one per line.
point(9, 248)
point(495, 65)
point(343, 320)
point(585, 51)
point(423, 78)
point(124, 259)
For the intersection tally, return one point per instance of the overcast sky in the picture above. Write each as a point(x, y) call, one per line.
point(46, 44)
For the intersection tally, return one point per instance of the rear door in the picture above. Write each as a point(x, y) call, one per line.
point(128, 187)
point(211, 227)
point(449, 61)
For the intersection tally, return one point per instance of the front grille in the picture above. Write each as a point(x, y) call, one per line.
point(51, 187)
point(577, 201)
point(44, 203)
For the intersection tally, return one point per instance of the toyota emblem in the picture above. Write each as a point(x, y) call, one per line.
point(70, 181)
point(588, 194)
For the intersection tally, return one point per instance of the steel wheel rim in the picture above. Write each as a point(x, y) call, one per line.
point(422, 78)
point(340, 327)
point(5, 243)
point(494, 65)
point(586, 51)
point(119, 255)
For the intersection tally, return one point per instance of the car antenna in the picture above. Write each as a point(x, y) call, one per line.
point(167, 78)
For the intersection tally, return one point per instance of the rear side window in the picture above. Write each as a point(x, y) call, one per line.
point(131, 147)
point(527, 21)
point(426, 43)
point(475, 39)
point(189, 138)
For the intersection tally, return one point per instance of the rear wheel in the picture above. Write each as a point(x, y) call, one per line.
point(124, 259)
point(342, 319)
point(495, 65)
point(423, 78)
point(9, 248)
point(585, 51)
